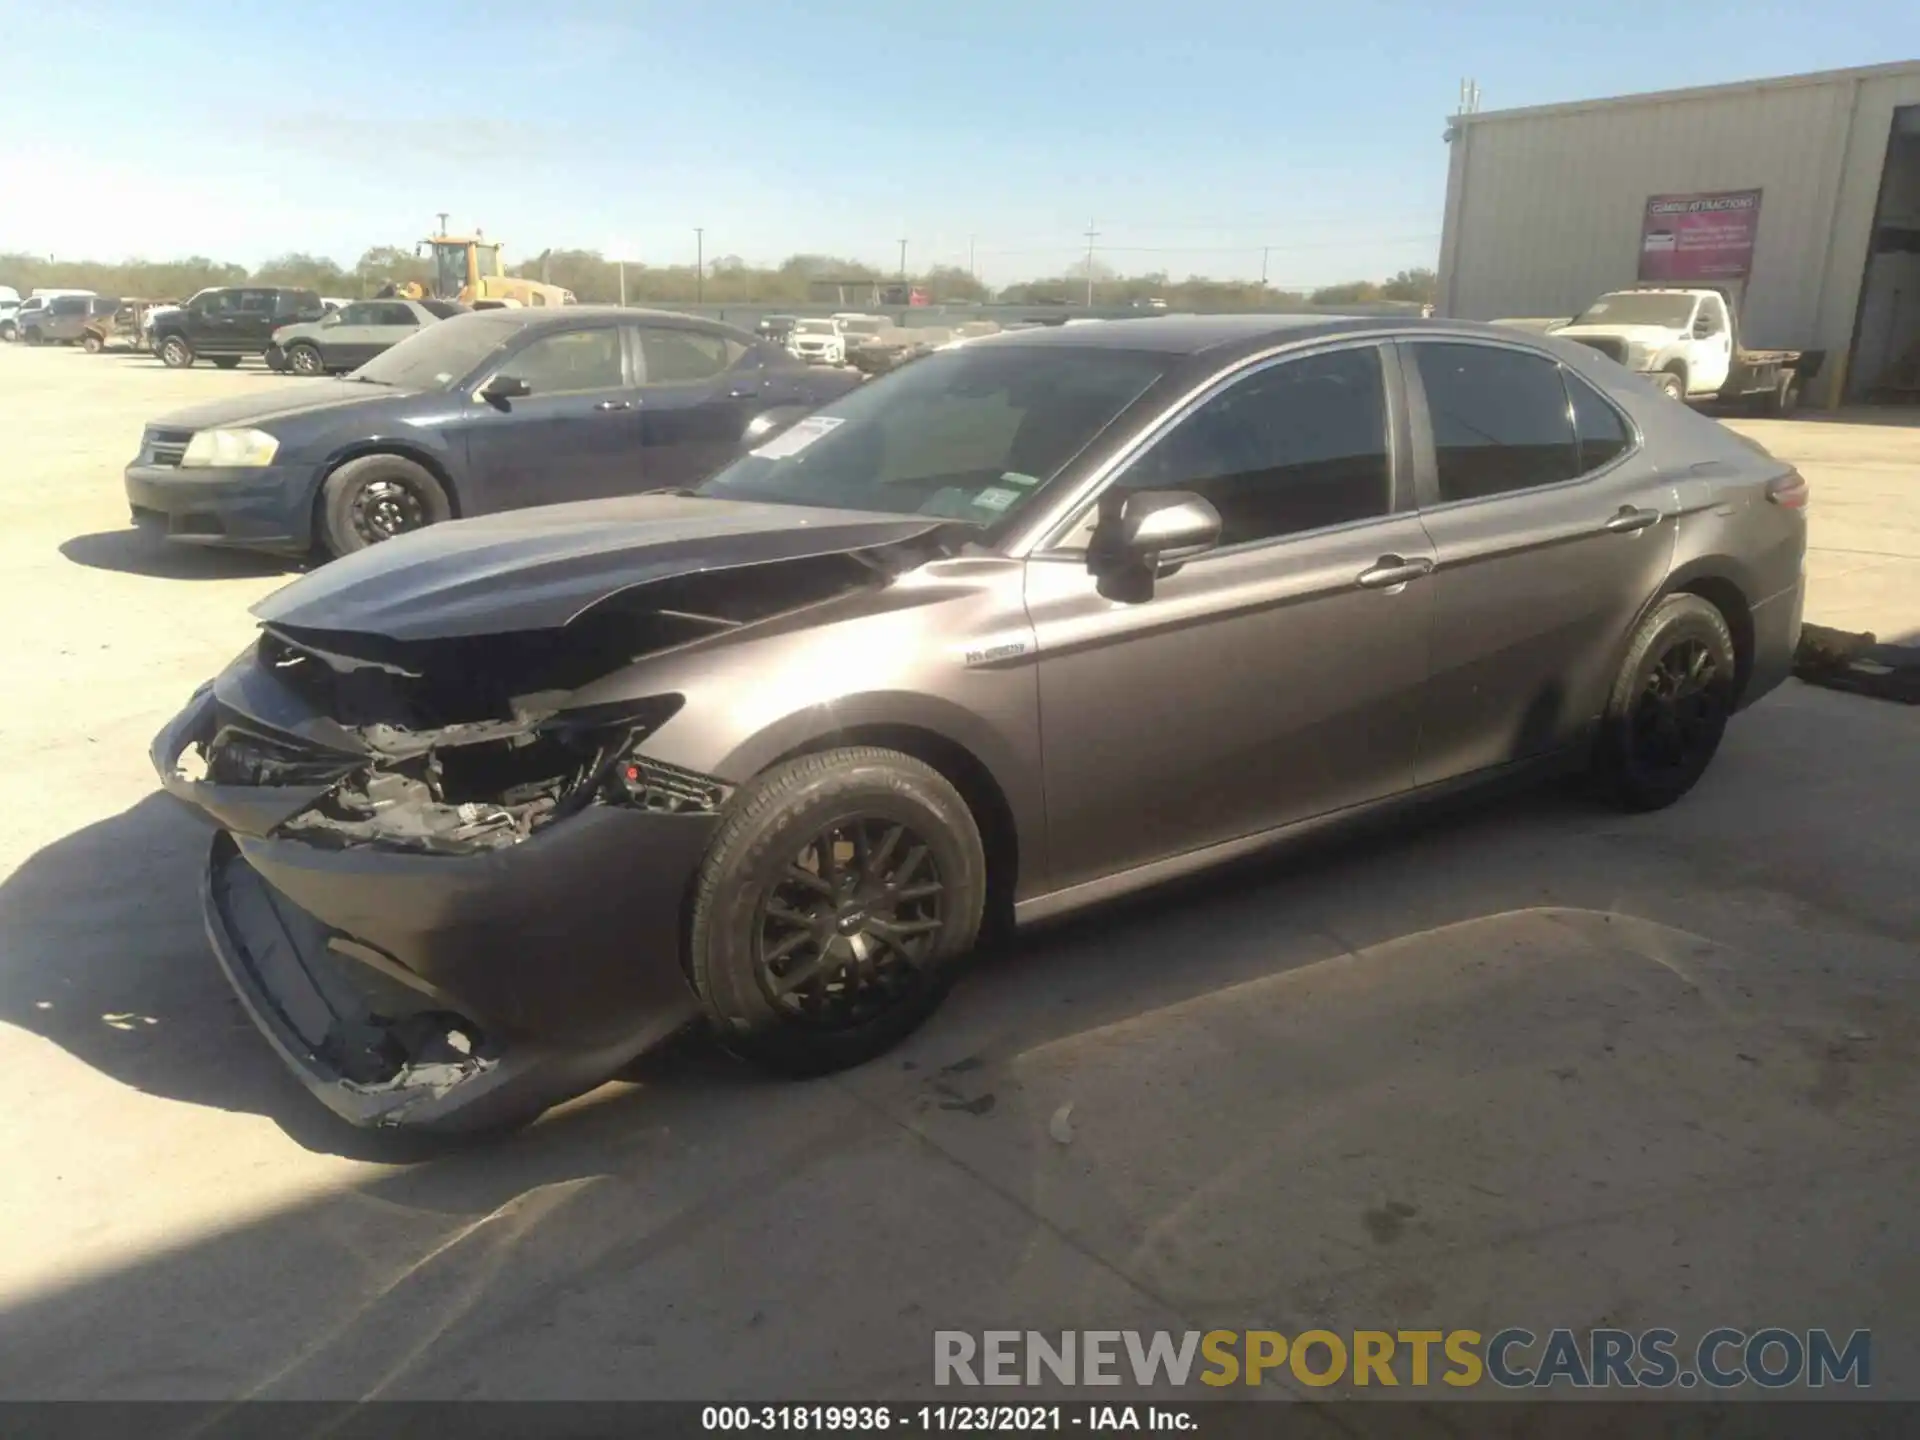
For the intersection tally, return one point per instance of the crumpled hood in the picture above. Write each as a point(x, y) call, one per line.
point(1654, 335)
point(294, 397)
point(537, 569)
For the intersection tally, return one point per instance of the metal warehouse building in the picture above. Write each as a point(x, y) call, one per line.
point(1548, 207)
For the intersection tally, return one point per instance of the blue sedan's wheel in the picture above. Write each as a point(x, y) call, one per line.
point(376, 498)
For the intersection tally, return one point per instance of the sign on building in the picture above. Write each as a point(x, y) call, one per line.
point(1699, 237)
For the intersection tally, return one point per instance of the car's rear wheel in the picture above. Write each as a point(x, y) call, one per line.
point(225, 362)
point(305, 359)
point(376, 498)
point(33, 337)
point(175, 352)
point(834, 908)
point(1669, 706)
point(9, 332)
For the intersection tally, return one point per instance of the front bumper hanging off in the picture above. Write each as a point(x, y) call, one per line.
point(434, 991)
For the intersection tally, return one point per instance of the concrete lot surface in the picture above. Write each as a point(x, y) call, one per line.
point(1524, 1062)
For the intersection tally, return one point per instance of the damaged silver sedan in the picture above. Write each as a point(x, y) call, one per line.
point(1012, 630)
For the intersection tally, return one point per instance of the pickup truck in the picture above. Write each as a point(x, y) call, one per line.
point(1687, 341)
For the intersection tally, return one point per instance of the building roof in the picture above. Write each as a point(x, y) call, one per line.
point(1698, 92)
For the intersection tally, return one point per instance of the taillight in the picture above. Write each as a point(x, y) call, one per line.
point(1789, 491)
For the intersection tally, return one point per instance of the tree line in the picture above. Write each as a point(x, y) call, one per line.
point(593, 278)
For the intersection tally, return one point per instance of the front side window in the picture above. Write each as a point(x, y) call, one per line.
point(1500, 418)
point(570, 362)
point(969, 435)
point(257, 302)
point(1296, 446)
point(361, 314)
point(392, 313)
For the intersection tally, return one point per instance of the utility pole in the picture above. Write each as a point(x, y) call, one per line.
point(975, 274)
point(1092, 235)
point(699, 264)
point(903, 259)
point(1263, 265)
point(443, 221)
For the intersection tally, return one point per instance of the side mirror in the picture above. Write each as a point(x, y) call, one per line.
point(1150, 530)
point(502, 388)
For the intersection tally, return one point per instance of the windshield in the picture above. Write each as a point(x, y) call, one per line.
point(449, 271)
point(865, 327)
point(441, 355)
point(816, 327)
point(1639, 308)
point(967, 435)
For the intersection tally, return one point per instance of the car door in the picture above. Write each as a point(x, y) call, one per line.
point(1710, 355)
point(1551, 529)
point(698, 391)
point(254, 321)
point(343, 336)
point(212, 322)
point(573, 437)
point(1273, 679)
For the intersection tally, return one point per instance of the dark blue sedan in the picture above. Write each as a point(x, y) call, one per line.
point(489, 411)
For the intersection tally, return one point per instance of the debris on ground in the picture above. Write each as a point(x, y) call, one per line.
point(1858, 663)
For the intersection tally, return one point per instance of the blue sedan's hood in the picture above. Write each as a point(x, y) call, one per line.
point(537, 569)
point(279, 402)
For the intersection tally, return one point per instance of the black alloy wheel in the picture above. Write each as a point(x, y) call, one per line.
point(846, 931)
point(1680, 712)
point(1669, 706)
point(837, 903)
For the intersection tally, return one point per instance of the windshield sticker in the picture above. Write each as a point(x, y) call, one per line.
point(1014, 477)
point(995, 498)
point(798, 436)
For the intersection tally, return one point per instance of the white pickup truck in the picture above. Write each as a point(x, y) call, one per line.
point(1687, 341)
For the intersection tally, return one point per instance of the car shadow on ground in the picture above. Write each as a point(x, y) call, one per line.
point(135, 552)
point(1513, 1060)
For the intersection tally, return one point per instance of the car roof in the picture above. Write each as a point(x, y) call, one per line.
point(549, 316)
point(1194, 335)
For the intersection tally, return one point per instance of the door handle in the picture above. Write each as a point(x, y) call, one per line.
point(1392, 570)
point(614, 405)
point(1629, 520)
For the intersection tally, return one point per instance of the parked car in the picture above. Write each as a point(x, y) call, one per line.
point(1687, 341)
point(817, 341)
point(775, 329)
point(1021, 627)
point(9, 309)
point(116, 322)
point(352, 335)
point(493, 410)
point(230, 322)
point(64, 318)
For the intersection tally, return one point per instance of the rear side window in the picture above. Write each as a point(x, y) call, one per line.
point(679, 356)
point(1297, 446)
point(1500, 418)
point(68, 305)
point(393, 313)
point(1600, 429)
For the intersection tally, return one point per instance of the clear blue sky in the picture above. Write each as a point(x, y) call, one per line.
point(1189, 134)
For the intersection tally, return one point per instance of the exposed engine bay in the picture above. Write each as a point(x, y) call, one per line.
point(463, 744)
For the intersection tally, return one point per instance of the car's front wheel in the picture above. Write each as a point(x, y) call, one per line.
point(92, 343)
point(175, 352)
point(305, 359)
point(1672, 384)
point(1669, 706)
point(834, 908)
point(376, 498)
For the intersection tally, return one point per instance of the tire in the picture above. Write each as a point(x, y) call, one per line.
point(225, 362)
point(33, 337)
point(375, 498)
point(92, 344)
point(1672, 384)
point(9, 332)
point(747, 895)
point(175, 353)
point(1784, 398)
point(1669, 706)
point(305, 359)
